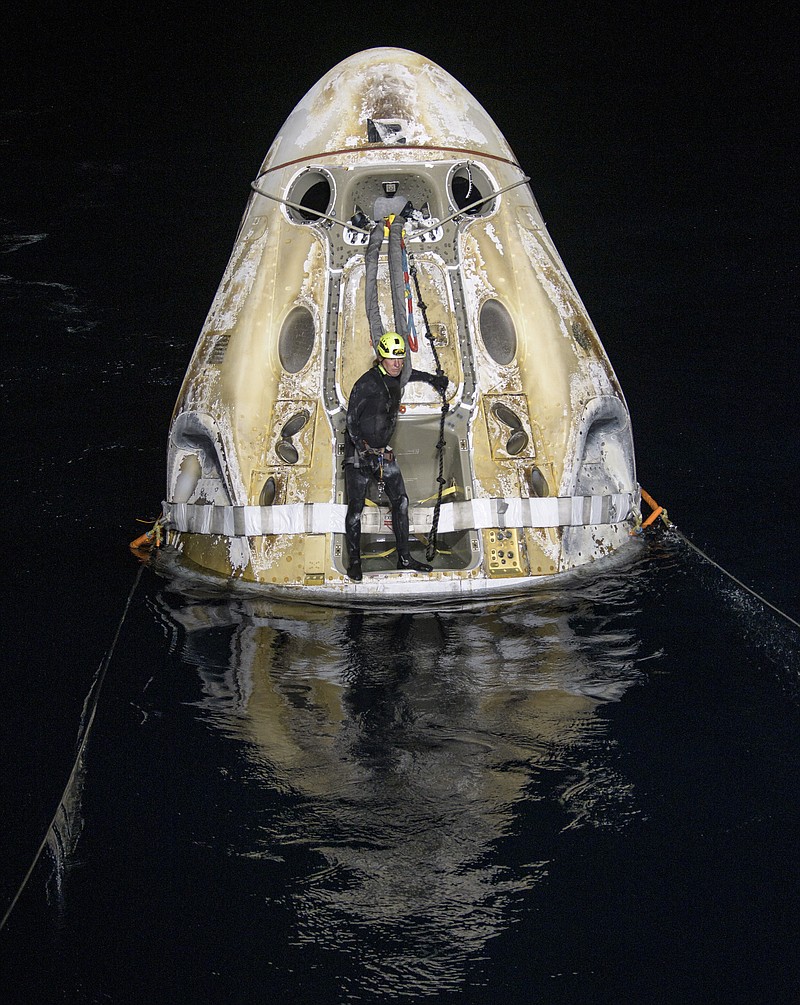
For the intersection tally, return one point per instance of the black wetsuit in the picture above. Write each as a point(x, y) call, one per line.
point(371, 422)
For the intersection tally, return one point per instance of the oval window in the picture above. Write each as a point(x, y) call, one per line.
point(296, 341)
point(471, 190)
point(517, 442)
point(312, 193)
point(498, 332)
point(268, 492)
point(287, 452)
point(538, 483)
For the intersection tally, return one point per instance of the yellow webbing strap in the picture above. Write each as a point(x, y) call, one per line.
point(451, 490)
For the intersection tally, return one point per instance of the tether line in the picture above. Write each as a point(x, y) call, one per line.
point(392, 147)
point(90, 708)
point(733, 578)
point(659, 511)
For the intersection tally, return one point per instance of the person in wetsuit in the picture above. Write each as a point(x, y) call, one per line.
point(371, 420)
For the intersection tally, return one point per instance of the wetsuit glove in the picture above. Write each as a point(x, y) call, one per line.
point(440, 381)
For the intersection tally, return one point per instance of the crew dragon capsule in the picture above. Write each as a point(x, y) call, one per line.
point(521, 472)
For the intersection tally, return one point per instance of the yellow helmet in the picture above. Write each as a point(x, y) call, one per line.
point(391, 346)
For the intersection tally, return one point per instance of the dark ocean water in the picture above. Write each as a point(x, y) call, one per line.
point(589, 795)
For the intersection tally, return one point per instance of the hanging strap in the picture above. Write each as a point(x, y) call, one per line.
point(412, 328)
point(440, 445)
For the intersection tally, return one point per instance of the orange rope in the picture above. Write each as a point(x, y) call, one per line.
point(146, 540)
point(653, 517)
point(657, 511)
point(648, 499)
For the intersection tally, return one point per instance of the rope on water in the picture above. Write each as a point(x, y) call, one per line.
point(659, 511)
point(733, 578)
point(90, 708)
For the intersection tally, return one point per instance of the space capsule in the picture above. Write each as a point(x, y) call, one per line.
point(525, 472)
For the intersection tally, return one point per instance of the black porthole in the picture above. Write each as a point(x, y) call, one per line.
point(517, 442)
point(471, 190)
point(312, 196)
point(538, 483)
point(498, 332)
point(296, 341)
point(287, 452)
point(268, 492)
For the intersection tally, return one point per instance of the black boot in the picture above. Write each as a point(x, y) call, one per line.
point(408, 564)
point(352, 525)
